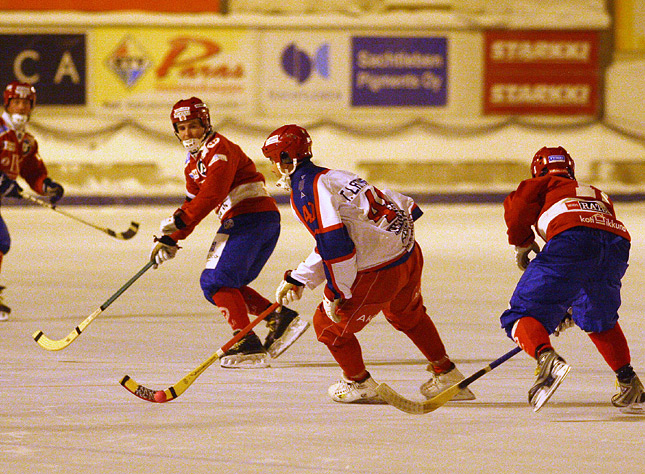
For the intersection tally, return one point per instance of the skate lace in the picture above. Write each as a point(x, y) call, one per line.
point(272, 324)
point(344, 387)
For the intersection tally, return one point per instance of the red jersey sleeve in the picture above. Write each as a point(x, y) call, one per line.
point(521, 210)
point(32, 168)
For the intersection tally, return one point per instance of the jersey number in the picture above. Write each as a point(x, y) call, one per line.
point(380, 206)
point(308, 214)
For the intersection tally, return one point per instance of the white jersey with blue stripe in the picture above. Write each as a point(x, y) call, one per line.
point(357, 227)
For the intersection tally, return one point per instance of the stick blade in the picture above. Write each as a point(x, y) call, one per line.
point(145, 393)
point(441, 399)
point(414, 407)
point(131, 232)
point(55, 344)
point(398, 401)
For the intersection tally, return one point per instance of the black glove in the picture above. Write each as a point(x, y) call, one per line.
point(52, 189)
point(9, 187)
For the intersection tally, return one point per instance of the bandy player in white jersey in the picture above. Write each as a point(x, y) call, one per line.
point(368, 259)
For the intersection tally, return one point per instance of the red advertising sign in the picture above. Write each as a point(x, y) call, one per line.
point(542, 72)
point(113, 5)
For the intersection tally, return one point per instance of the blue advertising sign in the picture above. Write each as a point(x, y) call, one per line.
point(399, 71)
point(53, 63)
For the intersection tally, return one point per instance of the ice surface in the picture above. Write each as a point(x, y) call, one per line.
point(65, 412)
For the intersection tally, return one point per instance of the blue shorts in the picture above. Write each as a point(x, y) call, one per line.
point(579, 268)
point(5, 240)
point(241, 247)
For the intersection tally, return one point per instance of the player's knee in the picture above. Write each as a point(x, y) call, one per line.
point(5, 245)
point(209, 287)
point(328, 332)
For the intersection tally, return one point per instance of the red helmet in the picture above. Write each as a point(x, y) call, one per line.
point(188, 109)
point(288, 143)
point(19, 90)
point(553, 161)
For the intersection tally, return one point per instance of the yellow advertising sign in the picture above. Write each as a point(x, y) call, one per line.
point(147, 69)
point(629, 26)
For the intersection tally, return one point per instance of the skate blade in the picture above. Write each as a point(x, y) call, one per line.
point(634, 409)
point(364, 401)
point(294, 331)
point(244, 361)
point(543, 394)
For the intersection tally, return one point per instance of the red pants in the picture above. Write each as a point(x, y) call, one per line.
point(397, 293)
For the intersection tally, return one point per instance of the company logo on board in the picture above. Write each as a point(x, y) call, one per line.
point(299, 65)
point(129, 61)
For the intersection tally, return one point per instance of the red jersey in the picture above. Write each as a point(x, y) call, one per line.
point(19, 156)
point(553, 204)
point(223, 178)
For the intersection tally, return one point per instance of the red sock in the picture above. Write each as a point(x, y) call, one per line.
point(531, 336)
point(255, 302)
point(613, 346)
point(231, 303)
point(427, 339)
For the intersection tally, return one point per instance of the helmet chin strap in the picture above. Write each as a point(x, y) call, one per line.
point(285, 181)
point(19, 121)
point(194, 144)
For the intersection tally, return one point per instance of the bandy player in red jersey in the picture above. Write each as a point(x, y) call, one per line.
point(220, 177)
point(19, 157)
point(580, 267)
point(368, 259)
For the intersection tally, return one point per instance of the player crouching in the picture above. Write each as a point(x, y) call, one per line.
point(580, 267)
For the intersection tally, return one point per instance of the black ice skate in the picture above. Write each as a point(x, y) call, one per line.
point(248, 353)
point(5, 310)
point(285, 327)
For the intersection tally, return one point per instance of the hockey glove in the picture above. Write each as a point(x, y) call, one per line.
point(53, 190)
point(290, 290)
point(565, 324)
point(330, 306)
point(9, 187)
point(522, 254)
point(164, 249)
point(172, 223)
